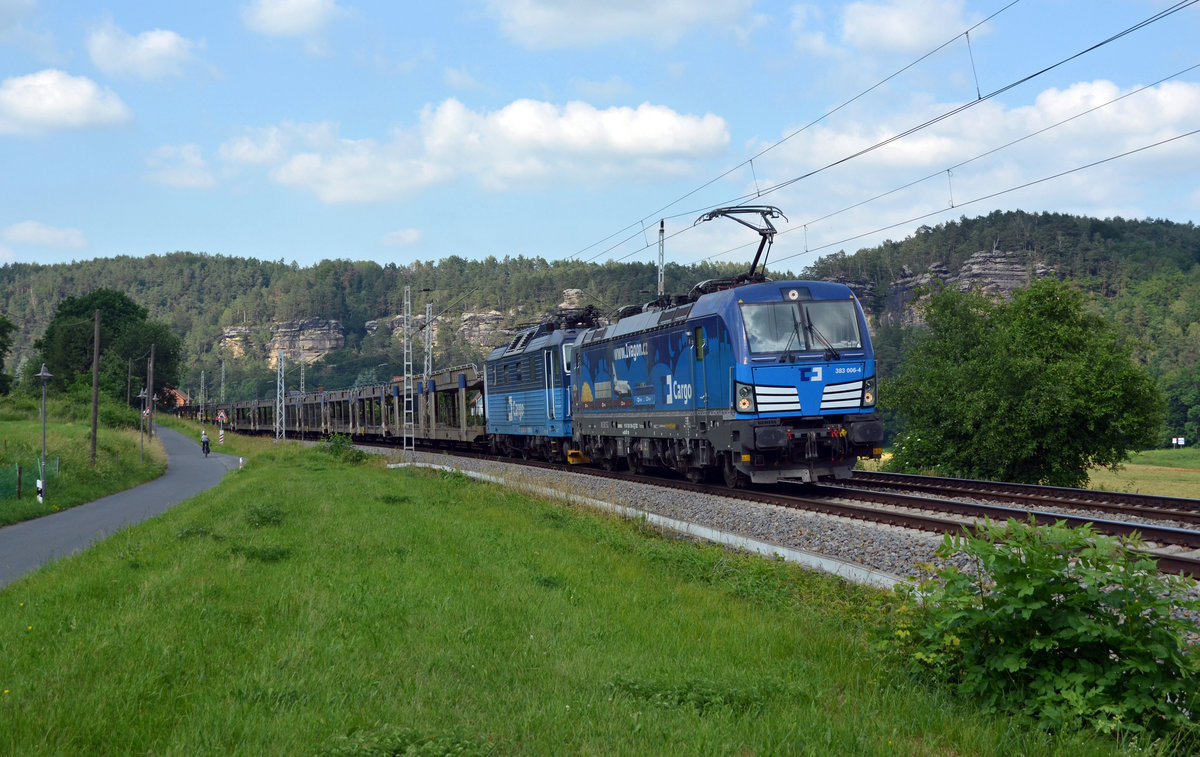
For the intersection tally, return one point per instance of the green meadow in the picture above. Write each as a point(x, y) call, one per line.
point(309, 605)
point(1167, 472)
point(125, 457)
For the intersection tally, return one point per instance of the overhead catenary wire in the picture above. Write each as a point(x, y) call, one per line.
point(759, 192)
point(940, 171)
point(658, 213)
point(992, 195)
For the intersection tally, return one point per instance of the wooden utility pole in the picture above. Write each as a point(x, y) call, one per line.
point(95, 383)
point(150, 392)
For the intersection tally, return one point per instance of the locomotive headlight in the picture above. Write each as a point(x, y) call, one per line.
point(745, 397)
point(868, 398)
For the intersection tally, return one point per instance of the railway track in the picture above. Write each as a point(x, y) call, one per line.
point(1178, 509)
point(932, 505)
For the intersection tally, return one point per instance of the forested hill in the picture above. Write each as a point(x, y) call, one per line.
point(1147, 274)
point(199, 295)
point(1105, 256)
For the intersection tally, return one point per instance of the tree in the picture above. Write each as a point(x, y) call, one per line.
point(1039, 390)
point(6, 329)
point(125, 339)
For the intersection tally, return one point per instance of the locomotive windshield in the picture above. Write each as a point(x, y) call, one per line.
point(785, 326)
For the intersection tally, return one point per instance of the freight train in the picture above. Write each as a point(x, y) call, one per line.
point(743, 378)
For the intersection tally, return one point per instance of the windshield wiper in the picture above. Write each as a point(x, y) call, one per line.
point(830, 352)
point(787, 348)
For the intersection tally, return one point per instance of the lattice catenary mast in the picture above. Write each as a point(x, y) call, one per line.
point(279, 404)
point(409, 432)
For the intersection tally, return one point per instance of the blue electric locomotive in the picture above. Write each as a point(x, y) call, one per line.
point(758, 380)
point(526, 385)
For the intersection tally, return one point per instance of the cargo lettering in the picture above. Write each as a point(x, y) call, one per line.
point(516, 410)
point(678, 391)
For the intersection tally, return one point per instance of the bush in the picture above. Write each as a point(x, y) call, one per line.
point(342, 447)
point(1070, 629)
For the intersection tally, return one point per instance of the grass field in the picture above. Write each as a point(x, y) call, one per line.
point(1169, 472)
point(1166, 472)
point(123, 458)
point(309, 607)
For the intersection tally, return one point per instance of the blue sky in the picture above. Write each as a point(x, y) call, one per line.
point(300, 130)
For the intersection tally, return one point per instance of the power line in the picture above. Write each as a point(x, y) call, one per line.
point(1178, 6)
point(981, 198)
point(804, 128)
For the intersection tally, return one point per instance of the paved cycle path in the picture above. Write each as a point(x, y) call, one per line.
point(31, 544)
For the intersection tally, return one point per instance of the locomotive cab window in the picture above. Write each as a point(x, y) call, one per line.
point(789, 326)
point(833, 324)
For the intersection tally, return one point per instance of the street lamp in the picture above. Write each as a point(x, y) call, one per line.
point(141, 425)
point(45, 376)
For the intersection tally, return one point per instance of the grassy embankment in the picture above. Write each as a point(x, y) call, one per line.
point(306, 606)
point(119, 457)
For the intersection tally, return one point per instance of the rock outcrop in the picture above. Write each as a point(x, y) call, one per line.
point(996, 272)
point(235, 340)
point(307, 340)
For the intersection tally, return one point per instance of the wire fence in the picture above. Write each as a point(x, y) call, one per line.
point(22, 477)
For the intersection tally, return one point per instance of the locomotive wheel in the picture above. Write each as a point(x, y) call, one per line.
point(734, 478)
point(608, 458)
point(635, 464)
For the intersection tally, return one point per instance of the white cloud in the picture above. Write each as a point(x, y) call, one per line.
point(955, 161)
point(263, 147)
point(458, 78)
point(13, 11)
point(52, 99)
point(180, 166)
point(904, 26)
point(806, 34)
point(7, 255)
point(150, 55)
point(40, 235)
point(544, 24)
point(13, 31)
point(522, 143)
point(614, 87)
point(359, 171)
point(290, 18)
point(402, 237)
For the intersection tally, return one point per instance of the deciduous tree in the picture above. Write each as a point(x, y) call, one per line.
point(1036, 390)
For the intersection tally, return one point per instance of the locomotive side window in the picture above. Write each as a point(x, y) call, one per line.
point(568, 357)
point(698, 340)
